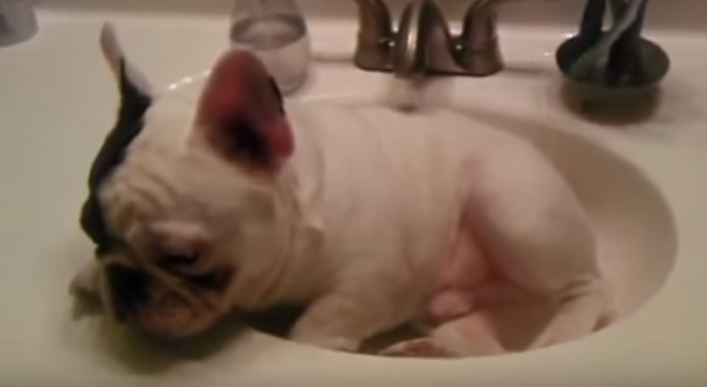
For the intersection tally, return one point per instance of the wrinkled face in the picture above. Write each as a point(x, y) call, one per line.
point(182, 198)
point(187, 226)
point(166, 281)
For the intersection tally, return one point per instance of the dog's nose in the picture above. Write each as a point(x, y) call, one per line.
point(128, 289)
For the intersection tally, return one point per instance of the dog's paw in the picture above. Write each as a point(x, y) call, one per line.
point(335, 343)
point(85, 282)
point(425, 347)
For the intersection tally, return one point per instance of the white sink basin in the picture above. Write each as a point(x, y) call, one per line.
point(641, 182)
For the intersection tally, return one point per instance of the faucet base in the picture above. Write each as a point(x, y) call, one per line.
point(423, 43)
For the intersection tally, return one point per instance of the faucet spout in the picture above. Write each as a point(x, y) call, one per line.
point(409, 48)
point(424, 42)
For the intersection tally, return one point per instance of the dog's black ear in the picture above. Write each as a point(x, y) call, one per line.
point(129, 78)
point(241, 114)
point(134, 101)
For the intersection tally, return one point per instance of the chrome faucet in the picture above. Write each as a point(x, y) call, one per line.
point(423, 42)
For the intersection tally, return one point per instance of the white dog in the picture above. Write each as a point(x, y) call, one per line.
point(197, 210)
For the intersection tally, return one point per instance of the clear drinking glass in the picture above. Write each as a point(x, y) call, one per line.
point(276, 31)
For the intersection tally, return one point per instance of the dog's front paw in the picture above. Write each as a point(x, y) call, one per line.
point(85, 282)
point(425, 347)
point(336, 343)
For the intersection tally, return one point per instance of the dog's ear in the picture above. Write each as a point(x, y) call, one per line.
point(130, 80)
point(241, 114)
point(134, 101)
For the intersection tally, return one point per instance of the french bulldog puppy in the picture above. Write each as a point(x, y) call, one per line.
point(235, 204)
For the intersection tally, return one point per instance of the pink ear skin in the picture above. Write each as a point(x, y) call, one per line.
point(241, 114)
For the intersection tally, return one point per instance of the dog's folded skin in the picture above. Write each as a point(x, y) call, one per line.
point(373, 217)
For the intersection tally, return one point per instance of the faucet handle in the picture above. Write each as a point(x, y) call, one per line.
point(480, 51)
point(375, 35)
point(479, 24)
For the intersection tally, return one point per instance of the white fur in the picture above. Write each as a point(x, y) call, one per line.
point(391, 188)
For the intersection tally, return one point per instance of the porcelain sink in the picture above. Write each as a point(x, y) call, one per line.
point(639, 177)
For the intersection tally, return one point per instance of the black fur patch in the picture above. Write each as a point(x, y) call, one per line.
point(129, 289)
point(133, 105)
